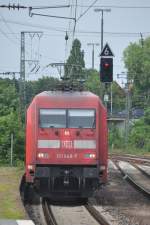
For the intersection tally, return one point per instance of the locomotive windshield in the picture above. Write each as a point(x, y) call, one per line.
point(84, 118)
point(71, 118)
point(52, 118)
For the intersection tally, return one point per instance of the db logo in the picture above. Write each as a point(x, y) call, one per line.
point(67, 133)
point(67, 144)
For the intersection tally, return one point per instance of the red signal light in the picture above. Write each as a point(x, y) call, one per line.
point(106, 70)
point(106, 65)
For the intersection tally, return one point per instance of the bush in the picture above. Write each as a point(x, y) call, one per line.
point(116, 140)
point(140, 133)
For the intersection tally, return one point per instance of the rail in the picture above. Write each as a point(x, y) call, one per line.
point(135, 179)
point(97, 216)
point(49, 217)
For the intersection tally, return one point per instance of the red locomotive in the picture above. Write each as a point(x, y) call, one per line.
point(66, 143)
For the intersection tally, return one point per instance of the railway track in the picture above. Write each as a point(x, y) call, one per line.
point(54, 214)
point(96, 214)
point(144, 169)
point(49, 217)
point(131, 158)
point(44, 212)
point(72, 214)
point(136, 175)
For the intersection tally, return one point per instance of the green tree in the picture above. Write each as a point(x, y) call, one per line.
point(140, 132)
point(118, 98)
point(9, 124)
point(116, 140)
point(94, 85)
point(10, 121)
point(75, 63)
point(93, 82)
point(8, 99)
point(137, 62)
point(43, 84)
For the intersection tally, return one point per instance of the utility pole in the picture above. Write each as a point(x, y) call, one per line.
point(11, 148)
point(105, 95)
point(128, 108)
point(22, 73)
point(102, 23)
point(93, 44)
point(102, 29)
point(142, 40)
point(111, 100)
point(22, 67)
point(128, 103)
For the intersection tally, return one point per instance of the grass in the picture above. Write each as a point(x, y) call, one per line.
point(129, 150)
point(10, 203)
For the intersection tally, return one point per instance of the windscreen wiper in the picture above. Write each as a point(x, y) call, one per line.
point(94, 122)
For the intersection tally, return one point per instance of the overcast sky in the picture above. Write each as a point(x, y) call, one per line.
point(121, 26)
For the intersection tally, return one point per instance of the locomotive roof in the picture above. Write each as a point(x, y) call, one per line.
point(66, 98)
point(70, 94)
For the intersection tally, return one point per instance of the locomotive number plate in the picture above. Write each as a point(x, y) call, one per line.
point(67, 144)
point(66, 156)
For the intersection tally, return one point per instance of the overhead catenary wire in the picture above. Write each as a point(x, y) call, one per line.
point(11, 32)
point(115, 6)
point(75, 21)
point(9, 28)
point(6, 36)
point(63, 29)
point(34, 25)
point(52, 16)
point(50, 7)
point(93, 33)
point(5, 33)
point(70, 15)
point(112, 33)
point(81, 8)
point(69, 30)
point(13, 6)
point(89, 7)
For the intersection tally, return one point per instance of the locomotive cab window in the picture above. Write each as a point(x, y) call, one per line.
point(50, 118)
point(81, 118)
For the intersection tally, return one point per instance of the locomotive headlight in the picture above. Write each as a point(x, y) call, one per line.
point(42, 155)
point(90, 156)
point(30, 167)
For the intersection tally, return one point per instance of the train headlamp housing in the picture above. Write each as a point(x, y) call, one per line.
point(30, 167)
point(42, 155)
point(90, 156)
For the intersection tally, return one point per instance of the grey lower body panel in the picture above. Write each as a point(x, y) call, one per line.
point(67, 181)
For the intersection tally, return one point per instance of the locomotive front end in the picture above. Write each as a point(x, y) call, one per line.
point(67, 146)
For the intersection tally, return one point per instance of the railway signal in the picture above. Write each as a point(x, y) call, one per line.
point(106, 70)
point(106, 65)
